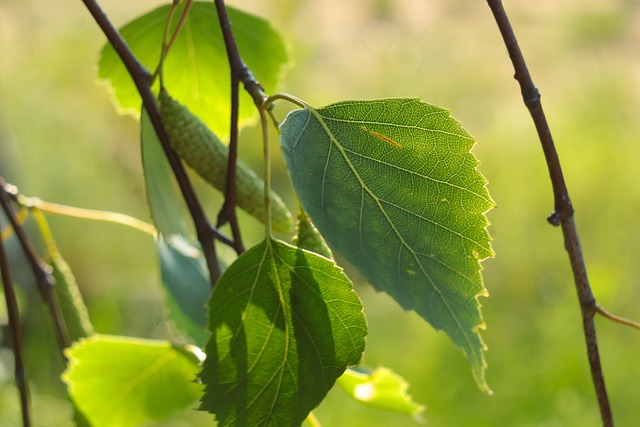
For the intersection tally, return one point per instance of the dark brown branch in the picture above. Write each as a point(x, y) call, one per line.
point(563, 210)
point(228, 211)
point(16, 334)
point(41, 270)
point(239, 73)
point(238, 67)
point(142, 79)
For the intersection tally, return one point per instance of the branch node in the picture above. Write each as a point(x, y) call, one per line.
point(589, 307)
point(562, 211)
point(531, 96)
point(554, 219)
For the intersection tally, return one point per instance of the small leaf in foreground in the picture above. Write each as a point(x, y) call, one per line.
point(119, 381)
point(382, 389)
point(286, 323)
point(392, 185)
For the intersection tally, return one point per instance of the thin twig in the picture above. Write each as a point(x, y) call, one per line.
point(90, 214)
point(16, 335)
point(239, 73)
point(166, 45)
point(228, 210)
point(601, 311)
point(142, 78)
point(563, 213)
point(42, 271)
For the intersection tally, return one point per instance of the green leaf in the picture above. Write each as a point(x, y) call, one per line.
point(392, 186)
point(186, 281)
point(286, 323)
point(120, 381)
point(196, 71)
point(184, 274)
point(382, 389)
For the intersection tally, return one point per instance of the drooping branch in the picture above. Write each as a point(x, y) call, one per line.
point(41, 270)
point(228, 210)
point(16, 334)
point(142, 79)
point(563, 213)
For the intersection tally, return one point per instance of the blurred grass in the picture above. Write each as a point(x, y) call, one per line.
point(61, 140)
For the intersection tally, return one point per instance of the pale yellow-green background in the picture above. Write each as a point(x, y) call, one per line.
point(61, 140)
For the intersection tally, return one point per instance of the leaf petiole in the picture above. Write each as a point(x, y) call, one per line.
point(286, 97)
point(264, 123)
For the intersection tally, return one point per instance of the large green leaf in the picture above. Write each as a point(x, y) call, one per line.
point(285, 323)
point(196, 70)
point(392, 186)
point(184, 273)
point(119, 381)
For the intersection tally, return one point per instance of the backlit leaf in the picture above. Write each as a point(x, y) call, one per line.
point(196, 71)
point(392, 186)
point(381, 388)
point(286, 323)
point(119, 381)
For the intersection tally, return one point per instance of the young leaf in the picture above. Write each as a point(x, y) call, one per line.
point(392, 186)
point(119, 381)
point(286, 323)
point(382, 389)
point(196, 71)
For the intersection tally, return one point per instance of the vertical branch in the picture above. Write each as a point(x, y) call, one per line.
point(142, 79)
point(239, 73)
point(228, 211)
point(16, 334)
point(563, 213)
point(238, 67)
point(41, 270)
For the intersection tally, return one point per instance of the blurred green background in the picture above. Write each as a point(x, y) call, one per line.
point(61, 140)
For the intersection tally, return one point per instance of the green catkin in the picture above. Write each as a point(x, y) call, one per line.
point(308, 237)
point(202, 150)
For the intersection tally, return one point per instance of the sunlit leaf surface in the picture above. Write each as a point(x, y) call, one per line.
point(392, 186)
point(196, 71)
point(285, 324)
point(382, 389)
point(120, 381)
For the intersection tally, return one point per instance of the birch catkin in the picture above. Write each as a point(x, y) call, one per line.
point(194, 142)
